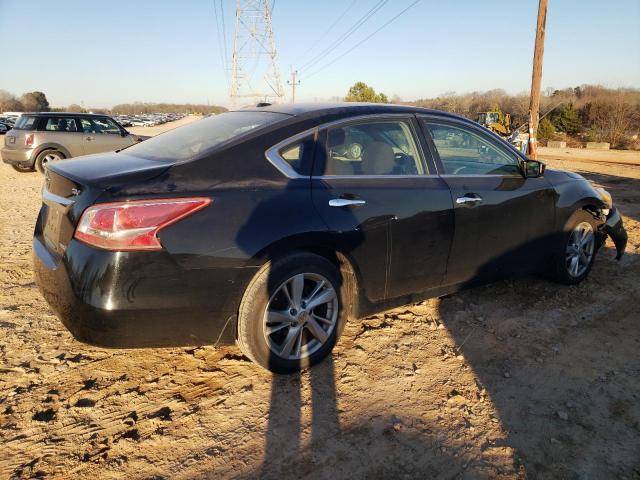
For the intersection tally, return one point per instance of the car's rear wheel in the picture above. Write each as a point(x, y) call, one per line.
point(577, 250)
point(291, 314)
point(21, 169)
point(45, 157)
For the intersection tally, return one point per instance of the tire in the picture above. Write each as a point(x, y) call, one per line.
point(273, 289)
point(21, 169)
point(565, 269)
point(45, 157)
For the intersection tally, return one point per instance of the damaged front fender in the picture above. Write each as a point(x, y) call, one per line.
point(614, 229)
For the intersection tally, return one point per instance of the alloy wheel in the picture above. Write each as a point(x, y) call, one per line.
point(580, 249)
point(50, 157)
point(300, 316)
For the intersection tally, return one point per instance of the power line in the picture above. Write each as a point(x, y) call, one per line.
point(327, 31)
point(346, 35)
point(221, 41)
point(360, 42)
point(224, 37)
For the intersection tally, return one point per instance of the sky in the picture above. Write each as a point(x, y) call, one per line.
point(102, 53)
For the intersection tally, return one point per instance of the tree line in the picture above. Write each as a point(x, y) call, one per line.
point(37, 102)
point(588, 113)
point(27, 102)
point(576, 115)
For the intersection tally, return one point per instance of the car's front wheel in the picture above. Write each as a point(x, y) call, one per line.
point(45, 157)
point(291, 314)
point(577, 249)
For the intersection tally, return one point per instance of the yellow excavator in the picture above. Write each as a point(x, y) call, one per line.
point(496, 121)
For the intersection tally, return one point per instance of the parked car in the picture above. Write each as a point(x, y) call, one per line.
point(4, 128)
point(273, 226)
point(40, 138)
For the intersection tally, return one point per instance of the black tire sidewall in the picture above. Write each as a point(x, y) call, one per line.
point(250, 329)
point(21, 169)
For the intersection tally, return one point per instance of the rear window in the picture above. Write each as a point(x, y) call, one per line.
point(187, 142)
point(25, 123)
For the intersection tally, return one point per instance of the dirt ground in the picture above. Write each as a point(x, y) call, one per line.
point(520, 379)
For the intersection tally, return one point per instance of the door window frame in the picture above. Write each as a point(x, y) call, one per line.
point(476, 129)
point(320, 136)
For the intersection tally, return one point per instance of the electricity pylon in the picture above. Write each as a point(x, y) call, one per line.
point(255, 76)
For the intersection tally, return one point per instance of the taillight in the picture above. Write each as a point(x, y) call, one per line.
point(28, 140)
point(133, 225)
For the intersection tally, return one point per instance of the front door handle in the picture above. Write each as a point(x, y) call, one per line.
point(345, 202)
point(468, 200)
point(90, 138)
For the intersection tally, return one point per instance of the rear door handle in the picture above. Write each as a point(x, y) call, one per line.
point(90, 138)
point(469, 200)
point(345, 202)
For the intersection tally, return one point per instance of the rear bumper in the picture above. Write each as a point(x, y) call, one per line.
point(614, 229)
point(137, 299)
point(20, 157)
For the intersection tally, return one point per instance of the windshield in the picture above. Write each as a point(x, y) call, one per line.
point(185, 143)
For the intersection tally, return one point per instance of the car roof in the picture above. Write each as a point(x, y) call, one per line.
point(64, 114)
point(311, 110)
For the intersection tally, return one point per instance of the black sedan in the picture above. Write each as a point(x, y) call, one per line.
point(273, 226)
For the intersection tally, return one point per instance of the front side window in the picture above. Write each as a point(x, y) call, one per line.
point(465, 152)
point(60, 124)
point(99, 125)
point(382, 147)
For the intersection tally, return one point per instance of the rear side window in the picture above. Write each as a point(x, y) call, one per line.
point(60, 124)
point(381, 147)
point(26, 123)
point(99, 125)
point(185, 143)
point(299, 155)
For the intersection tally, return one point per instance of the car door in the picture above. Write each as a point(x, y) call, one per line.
point(63, 131)
point(372, 188)
point(502, 219)
point(102, 134)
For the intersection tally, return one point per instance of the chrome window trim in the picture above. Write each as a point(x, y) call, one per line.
point(273, 153)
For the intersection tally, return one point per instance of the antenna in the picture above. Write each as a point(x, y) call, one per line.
point(255, 76)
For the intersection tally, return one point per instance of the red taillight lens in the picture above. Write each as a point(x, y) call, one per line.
point(28, 140)
point(133, 225)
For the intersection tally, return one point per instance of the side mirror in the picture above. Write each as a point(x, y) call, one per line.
point(124, 133)
point(532, 168)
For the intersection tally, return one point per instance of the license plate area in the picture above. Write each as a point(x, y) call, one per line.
point(57, 226)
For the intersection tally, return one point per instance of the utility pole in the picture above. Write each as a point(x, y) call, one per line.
point(536, 78)
point(255, 75)
point(294, 84)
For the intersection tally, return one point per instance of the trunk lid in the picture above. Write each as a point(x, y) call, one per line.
point(71, 186)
